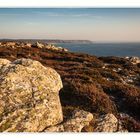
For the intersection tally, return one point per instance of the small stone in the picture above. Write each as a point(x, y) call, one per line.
point(135, 60)
point(39, 45)
point(4, 62)
point(107, 123)
point(79, 119)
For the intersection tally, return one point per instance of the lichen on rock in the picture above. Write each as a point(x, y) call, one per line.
point(108, 123)
point(79, 119)
point(4, 62)
point(29, 96)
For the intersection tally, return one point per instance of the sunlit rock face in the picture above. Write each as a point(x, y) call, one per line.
point(75, 123)
point(109, 123)
point(29, 96)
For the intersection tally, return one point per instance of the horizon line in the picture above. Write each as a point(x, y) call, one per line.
point(69, 40)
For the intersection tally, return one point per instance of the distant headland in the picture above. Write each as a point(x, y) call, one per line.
point(47, 40)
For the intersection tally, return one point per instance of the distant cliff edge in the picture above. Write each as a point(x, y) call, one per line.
point(47, 40)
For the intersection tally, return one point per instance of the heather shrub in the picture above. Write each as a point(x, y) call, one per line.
point(113, 60)
point(130, 123)
point(90, 96)
point(127, 96)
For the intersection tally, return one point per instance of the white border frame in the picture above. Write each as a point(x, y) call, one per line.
point(70, 3)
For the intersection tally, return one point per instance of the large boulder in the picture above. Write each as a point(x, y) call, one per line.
point(75, 123)
point(29, 96)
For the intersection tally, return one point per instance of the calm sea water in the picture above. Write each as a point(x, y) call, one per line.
point(107, 49)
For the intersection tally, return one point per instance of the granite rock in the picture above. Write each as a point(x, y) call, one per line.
point(29, 96)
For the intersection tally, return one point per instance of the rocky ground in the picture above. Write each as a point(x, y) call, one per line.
point(97, 94)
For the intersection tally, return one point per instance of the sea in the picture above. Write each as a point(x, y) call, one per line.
point(104, 49)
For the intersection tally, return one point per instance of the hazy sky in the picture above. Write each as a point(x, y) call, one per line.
point(101, 25)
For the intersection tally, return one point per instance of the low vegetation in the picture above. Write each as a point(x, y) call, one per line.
point(96, 84)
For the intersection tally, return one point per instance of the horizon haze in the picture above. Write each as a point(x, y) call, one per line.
point(94, 24)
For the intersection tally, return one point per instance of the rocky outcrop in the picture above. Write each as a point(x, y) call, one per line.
point(29, 99)
point(109, 123)
point(49, 47)
point(39, 45)
point(79, 119)
point(133, 60)
point(53, 47)
point(11, 43)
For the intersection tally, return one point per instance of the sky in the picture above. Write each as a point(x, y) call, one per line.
point(95, 24)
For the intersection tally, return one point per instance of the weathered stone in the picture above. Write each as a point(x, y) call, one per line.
point(39, 45)
point(11, 43)
point(78, 120)
point(121, 128)
point(28, 45)
point(29, 99)
point(4, 62)
point(57, 128)
point(65, 50)
point(55, 48)
point(109, 123)
point(133, 60)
